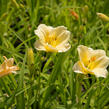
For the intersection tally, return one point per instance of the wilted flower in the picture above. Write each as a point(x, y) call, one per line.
point(91, 62)
point(103, 17)
point(52, 39)
point(7, 67)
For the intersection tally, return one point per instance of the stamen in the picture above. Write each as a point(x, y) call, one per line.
point(52, 40)
point(93, 58)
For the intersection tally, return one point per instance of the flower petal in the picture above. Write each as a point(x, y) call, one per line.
point(43, 31)
point(13, 69)
point(97, 53)
point(63, 37)
point(3, 74)
point(63, 47)
point(77, 68)
point(39, 45)
point(49, 48)
point(100, 72)
point(80, 68)
point(57, 31)
point(84, 53)
point(10, 62)
point(60, 34)
point(101, 62)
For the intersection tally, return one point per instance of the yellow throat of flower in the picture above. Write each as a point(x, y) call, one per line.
point(51, 40)
point(87, 69)
point(91, 62)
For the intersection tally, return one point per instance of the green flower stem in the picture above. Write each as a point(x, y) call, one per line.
point(78, 90)
point(48, 62)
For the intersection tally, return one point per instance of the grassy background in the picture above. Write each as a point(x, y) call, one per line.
point(49, 82)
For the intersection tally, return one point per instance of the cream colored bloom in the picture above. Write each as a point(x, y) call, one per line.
point(91, 62)
point(7, 67)
point(52, 39)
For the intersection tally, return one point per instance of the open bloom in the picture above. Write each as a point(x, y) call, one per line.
point(91, 62)
point(52, 39)
point(7, 67)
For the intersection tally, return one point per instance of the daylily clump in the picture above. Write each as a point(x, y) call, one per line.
point(52, 39)
point(7, 67)
point(91, 62)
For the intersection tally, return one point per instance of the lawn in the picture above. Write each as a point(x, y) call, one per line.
point(44, 50)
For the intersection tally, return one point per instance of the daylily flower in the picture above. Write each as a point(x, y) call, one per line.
point(52, 39)
point(7, 67)
point(91, 62)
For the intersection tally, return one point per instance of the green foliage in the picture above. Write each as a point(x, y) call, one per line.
point(49, 82)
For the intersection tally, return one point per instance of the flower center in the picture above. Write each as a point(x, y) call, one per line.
point(91, 61)
point(52, 40)
point(84, 69)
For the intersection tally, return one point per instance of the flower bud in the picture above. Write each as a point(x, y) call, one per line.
point(30, 56)
point(73, 13)
point(103, 17)
point(85, 9)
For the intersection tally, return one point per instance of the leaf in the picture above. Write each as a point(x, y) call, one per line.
point(20, 98)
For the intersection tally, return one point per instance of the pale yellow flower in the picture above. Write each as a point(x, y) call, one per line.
point(91, 62)
point(52, 39)
point(103, 17)
point(7, 67)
